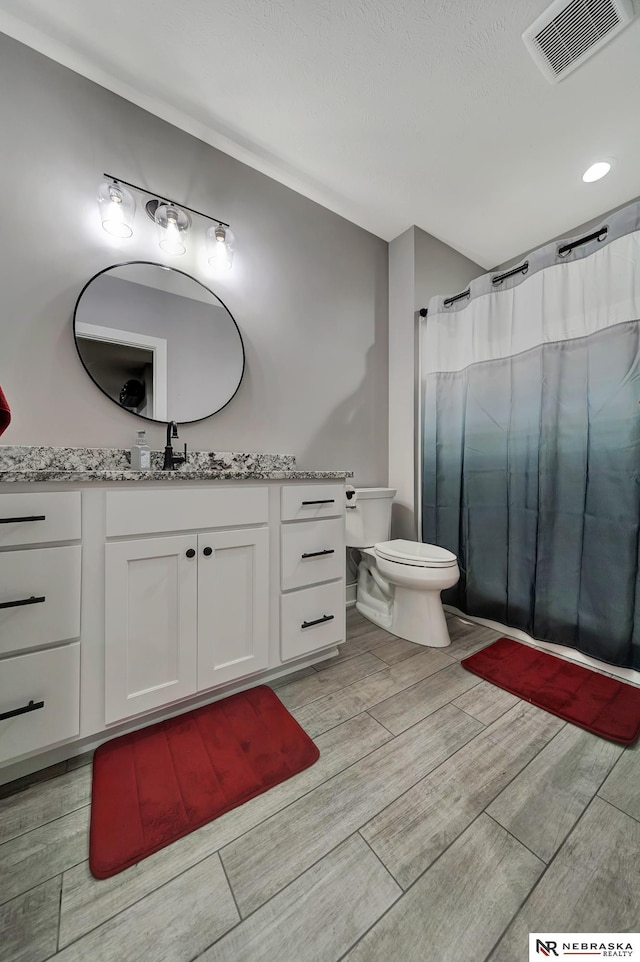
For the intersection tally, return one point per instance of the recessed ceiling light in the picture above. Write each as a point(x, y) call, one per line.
point(596, 171)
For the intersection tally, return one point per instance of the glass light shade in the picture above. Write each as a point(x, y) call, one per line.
point(220, 248)
point(117, 206)
point(172, 224)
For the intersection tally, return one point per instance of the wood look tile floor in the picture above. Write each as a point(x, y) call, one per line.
point(445, 820)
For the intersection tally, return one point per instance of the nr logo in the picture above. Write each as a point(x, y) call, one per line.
point(546, 948)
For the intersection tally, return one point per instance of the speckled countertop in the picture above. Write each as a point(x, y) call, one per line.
point(22, 463)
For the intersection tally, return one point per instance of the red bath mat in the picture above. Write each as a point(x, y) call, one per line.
point(600, 704)
point(157, 784)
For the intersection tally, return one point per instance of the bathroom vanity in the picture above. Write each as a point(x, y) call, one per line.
point(127, 597)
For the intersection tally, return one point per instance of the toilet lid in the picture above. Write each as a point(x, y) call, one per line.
point(415, 553)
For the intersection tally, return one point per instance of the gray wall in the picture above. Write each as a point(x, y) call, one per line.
point(420, 266)
point(308, 289)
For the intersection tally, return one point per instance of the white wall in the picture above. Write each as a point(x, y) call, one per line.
point(308, 289)
point(420, 266)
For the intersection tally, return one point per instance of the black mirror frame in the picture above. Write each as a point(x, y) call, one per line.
point(164, 267)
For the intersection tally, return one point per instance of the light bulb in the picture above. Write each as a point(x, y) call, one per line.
point(219, 247)
point(172, 223)
point(117, 207)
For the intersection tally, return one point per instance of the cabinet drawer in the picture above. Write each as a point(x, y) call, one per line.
point(311, 551)
point(151, 512)
point(302, 502)
point(52, 677)
point(38, 518)
point(324, 605)
point(41, 587)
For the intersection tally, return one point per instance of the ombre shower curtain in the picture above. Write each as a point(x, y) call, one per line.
point(531, 442)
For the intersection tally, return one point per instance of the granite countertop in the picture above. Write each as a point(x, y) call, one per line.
point(22, 463)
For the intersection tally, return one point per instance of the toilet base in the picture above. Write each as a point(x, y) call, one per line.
point(418, 616)
point(380, 618)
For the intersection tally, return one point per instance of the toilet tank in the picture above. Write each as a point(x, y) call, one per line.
point(368, 521)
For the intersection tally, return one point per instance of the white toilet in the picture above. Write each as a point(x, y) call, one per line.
point(399, 582)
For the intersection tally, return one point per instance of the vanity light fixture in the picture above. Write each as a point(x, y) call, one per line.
point(117, 207)
point(220, 247)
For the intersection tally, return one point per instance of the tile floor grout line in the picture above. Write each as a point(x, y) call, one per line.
point(539, 880)
point(367, 712)
point(40, 825)
point(405, 891)
point(595, 794)
point(386, 697)
point(326, 694)
point(59, 918)
point(233, 894)
point(617, 807)
point(137, 901)
point(32, 888)
point(452, 755)
point(475, 718)
point(385, 867)
point(41, 881)
point(618, 759)
point(515, 837)
point(526, 765)
point(262, 905)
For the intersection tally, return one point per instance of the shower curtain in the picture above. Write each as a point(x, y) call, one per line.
point(531, 442)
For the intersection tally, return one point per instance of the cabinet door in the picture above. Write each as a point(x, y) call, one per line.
point(150, 624)
point(233, 605)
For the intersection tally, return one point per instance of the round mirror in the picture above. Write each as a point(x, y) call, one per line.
point(158, 342)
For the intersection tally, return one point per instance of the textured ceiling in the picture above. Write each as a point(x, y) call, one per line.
point(390, 112)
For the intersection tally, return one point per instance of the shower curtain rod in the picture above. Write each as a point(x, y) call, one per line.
point(562, 251)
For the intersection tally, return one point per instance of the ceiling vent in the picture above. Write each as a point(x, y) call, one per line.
point(567, 34)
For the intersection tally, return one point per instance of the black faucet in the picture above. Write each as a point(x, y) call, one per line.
point(171, 460)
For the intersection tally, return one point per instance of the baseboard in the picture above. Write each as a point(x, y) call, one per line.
point(562, 651)
point(351, 595)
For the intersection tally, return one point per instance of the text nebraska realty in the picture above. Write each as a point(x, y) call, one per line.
point(607, 949)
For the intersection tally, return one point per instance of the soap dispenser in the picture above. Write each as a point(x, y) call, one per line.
point(141, 453)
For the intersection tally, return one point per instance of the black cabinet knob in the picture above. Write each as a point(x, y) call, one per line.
point(191, 553)
point(207, 551)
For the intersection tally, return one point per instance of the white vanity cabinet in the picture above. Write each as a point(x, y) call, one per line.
point(312, 583)
point(126, 601)
point(183, 613)
point(40, 571)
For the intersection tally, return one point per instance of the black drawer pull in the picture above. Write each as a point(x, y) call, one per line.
point(318, 621)
point(31, 517)
point(207, 552)
point(32, 706)
point(23, 601)
point(316, 554)
point(190, 553)
point(324, 501)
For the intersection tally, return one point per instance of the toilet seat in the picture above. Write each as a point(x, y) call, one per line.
point(416, 554)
